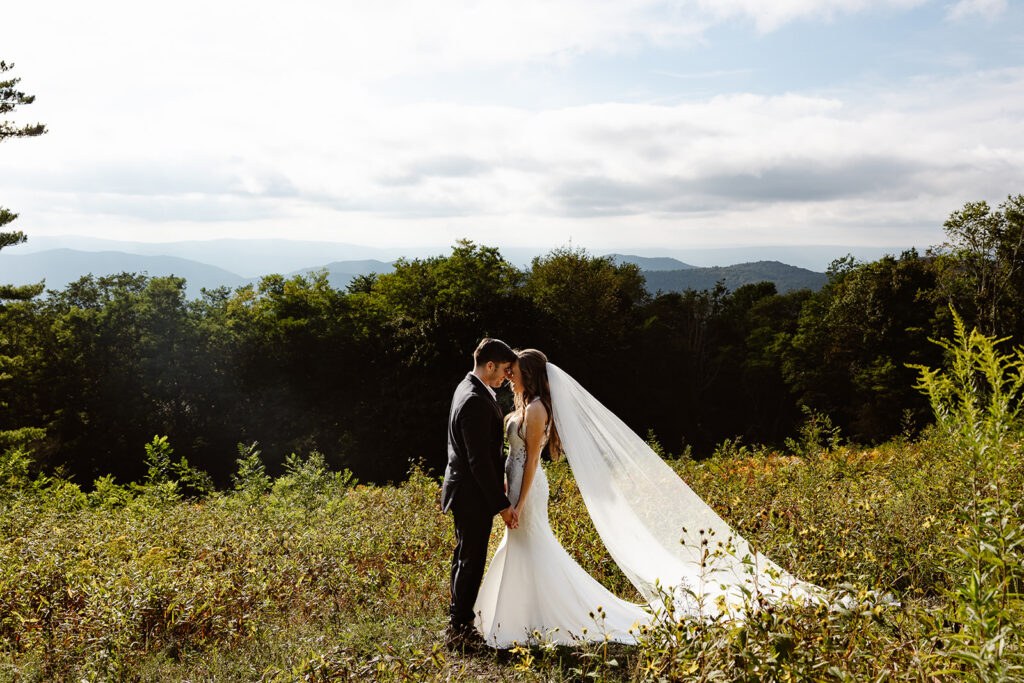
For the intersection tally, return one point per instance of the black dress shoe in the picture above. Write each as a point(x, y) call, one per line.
point(474, 640)
point(463, 639)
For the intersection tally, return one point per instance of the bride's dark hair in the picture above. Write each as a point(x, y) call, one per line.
point(533, 367)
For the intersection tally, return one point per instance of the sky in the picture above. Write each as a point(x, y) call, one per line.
point(636, 124)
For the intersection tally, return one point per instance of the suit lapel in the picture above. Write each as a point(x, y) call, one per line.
point(479, 388)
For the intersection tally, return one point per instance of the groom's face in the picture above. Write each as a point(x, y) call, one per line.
point(496, 373)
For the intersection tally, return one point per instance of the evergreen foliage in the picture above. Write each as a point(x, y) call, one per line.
point(10, 99)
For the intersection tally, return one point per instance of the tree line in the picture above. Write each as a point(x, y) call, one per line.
point(364, 374)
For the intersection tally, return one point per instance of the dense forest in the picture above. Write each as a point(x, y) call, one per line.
point(364, 374)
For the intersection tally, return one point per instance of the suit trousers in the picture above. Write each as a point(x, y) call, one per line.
point(472, 532)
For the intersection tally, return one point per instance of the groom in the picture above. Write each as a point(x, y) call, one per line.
point(474, 488)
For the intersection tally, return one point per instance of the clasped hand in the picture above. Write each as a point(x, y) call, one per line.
point(511, 517)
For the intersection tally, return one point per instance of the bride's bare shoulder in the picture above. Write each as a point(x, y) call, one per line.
point(536, 413)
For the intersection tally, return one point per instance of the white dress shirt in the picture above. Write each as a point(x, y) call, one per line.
point(494, 394)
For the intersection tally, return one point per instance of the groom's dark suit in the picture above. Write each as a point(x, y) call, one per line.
point(473, 488)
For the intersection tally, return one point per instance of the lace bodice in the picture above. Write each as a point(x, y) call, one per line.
point(515, 464)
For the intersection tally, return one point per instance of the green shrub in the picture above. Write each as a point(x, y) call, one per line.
point(977, 406)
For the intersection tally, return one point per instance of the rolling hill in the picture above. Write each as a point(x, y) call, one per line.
point(59, 267)
point(651, 263)
point(786, 278)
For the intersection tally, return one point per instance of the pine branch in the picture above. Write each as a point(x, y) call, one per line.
point(11, 98)
point(7, 216)
point(9, 130)
point(21, 292)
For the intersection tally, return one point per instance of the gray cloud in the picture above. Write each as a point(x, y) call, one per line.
point(596, 196)
point(804, 180)
point(791, 181)
point(163, 179)
point(449, 166)
point(398, 205)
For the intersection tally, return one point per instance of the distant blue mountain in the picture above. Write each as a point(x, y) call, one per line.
point(249, 258)
point(651, 263)
point(810, 256)
point(340, 273)
point(59, 267)
point(786, 278)
point(254, 257)
point(62, 266)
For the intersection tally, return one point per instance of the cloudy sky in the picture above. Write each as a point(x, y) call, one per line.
point(635, 123)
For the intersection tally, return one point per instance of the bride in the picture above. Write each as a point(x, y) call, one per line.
point(667, 541)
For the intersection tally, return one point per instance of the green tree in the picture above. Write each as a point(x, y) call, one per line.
point(10, 99)
point(981, 264)
point(765, 322)
point(292, 364)
point(585, 314)
point(587, 308)
point(849, 356)
point(422, 322)
point(711, 365)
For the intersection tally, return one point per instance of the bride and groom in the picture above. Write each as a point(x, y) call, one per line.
point(667, 541)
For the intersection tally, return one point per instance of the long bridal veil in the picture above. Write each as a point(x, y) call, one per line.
point(656, 529)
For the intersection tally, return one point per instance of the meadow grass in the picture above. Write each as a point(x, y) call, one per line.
point(311, 576)
point(328, 580)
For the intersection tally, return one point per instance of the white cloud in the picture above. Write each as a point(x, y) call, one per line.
point(740, 167)
point(262, 119)
point(985, 8)
point(773, 14)
point(273, 51)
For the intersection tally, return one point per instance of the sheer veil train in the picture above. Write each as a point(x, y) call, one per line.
point(656, 529)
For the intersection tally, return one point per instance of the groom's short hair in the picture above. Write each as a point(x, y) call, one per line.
point(493, 351)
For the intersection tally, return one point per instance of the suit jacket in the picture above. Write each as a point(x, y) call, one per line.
point(475, 474)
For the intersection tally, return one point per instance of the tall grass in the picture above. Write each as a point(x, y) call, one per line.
point(312, 576)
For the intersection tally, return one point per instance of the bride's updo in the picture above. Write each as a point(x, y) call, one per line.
point(533, 367)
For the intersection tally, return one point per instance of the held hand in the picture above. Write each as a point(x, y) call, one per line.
point(510, 517)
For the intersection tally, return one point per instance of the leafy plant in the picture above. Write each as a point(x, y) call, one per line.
point(250, 480)
point(817, 434)
point(165, 478)
point(977, 406)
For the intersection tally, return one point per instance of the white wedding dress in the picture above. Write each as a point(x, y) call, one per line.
point(533, 590)
point(671, 545)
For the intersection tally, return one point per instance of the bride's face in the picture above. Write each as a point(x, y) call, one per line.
point(515, 378)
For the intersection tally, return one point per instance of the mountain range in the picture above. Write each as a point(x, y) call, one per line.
point(786, 278)
point(58, 267)
point(251, 258)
